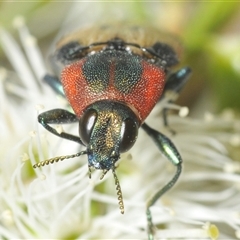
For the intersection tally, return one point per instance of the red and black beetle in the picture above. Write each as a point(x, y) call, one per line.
point(113, 77)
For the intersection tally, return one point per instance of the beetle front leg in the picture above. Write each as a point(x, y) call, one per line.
point(59, 116)
point(168, 149)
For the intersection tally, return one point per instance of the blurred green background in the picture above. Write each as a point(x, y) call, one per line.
point(210, 32)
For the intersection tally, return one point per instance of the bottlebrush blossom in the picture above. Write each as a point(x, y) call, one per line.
point(60, 201)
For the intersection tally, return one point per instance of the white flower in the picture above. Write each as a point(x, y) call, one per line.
point(59, 201)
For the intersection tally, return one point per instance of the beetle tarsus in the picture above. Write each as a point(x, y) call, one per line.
point(151, 227)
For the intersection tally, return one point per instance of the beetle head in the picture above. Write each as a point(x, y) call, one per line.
point(107, 129)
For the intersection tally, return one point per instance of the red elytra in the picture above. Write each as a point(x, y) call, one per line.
point(141, 99)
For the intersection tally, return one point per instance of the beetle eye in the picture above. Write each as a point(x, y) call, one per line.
point(86, 124)
point(129, 132)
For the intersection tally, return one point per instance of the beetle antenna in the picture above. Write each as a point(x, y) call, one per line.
point(57, 159)
point(119, 192)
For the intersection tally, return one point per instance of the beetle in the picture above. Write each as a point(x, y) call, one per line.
point(112, 77)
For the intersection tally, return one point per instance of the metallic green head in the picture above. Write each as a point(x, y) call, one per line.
point(107, 129)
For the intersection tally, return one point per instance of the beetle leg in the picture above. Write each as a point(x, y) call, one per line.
point(177, 80)
point(168, 149)
point(59, 116)
point(54, 83)
point(175, 83)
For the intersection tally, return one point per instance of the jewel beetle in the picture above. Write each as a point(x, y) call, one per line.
point(112, 77)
